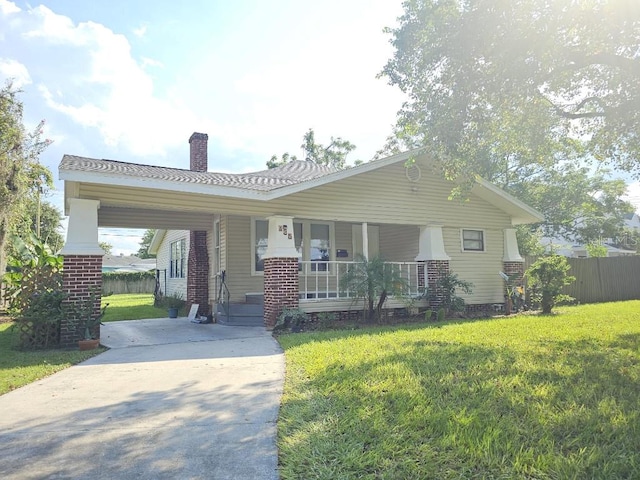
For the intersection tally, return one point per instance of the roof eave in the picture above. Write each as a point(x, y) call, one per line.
point(156, 241)
point(523, 214)
point(167, 185)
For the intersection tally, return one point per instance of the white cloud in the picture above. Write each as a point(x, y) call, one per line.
point(103, 87)
point(150, 62)
point(7, 8)
point(140, 31)
point(12, 69)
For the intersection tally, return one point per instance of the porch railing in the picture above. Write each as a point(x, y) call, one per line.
point(326, 280)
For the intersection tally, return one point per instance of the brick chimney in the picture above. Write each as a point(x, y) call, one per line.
point(198, 258)
point(198, 152)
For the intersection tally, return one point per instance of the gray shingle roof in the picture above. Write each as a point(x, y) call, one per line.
point(291, 173)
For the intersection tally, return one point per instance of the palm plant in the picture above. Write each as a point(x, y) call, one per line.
point(373, 281)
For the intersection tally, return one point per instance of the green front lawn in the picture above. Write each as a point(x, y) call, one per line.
point(131, 306)
point(537, 397)
point(17, 368)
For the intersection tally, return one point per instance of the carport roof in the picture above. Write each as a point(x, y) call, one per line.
point(291, 173)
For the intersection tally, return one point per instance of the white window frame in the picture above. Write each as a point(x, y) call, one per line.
point(183, 251)
point(217, 242)
point(462, 239)
point(306, 241)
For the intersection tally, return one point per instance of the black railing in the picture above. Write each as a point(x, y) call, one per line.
point(224, 295)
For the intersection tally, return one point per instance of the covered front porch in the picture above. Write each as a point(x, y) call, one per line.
point(324, 276)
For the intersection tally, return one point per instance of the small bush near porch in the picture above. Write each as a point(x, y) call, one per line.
point(530, 396)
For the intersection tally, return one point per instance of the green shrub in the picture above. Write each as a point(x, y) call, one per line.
point(546, 278)
point(447, 287)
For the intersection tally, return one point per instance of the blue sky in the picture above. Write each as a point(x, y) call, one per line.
point(131, 80)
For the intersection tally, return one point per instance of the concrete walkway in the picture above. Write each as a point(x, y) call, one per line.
point(170, 399)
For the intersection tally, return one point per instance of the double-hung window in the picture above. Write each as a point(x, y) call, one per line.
point(473, 240)
point(177, 260)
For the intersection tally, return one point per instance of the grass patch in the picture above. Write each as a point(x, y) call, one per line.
point(17, 368)
point(537, 397)
point(131, 306)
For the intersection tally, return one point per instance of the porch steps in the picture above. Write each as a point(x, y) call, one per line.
point(242, 315)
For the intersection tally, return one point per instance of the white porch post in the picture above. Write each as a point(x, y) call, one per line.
point(431, 244)
point(280, 269)
point(435, 262)
point(511, 251)
point(365, 240)
point(82, 232)
point(512, 263)
point(82, 272)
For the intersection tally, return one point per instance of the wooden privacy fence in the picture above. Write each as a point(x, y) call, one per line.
point(607, 279)
point(120, 285)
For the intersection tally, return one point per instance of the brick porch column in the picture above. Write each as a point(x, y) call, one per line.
point(82, 268)
point(198, 272)
point(280, 269)
point(435, 262)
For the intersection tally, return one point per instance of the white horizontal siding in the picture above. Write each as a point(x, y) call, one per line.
point(239, 251)
point(399, 243)
point(480, 268)
point(377, 197)
point(174, 285)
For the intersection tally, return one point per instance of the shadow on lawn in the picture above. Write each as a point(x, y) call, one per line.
point(556, 409)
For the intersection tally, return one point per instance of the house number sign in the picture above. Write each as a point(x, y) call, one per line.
point(283, 229)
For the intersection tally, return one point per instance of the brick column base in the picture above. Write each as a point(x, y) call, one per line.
point(512, 268)
point(81, 275)
point(436, 269)
point(280, 287)
point(198, 272)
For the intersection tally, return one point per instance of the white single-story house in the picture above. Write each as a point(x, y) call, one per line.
point(288, 233)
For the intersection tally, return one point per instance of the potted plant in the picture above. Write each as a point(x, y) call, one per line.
point(88, 322)
point(173, 303)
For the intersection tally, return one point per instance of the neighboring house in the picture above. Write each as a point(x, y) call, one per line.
point(289, 233)
point(171, 249)
point(127, 263)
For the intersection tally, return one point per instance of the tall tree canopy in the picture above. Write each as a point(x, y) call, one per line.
point(525, 93)
point(20, 173)
point(491, 81)
point(333, 155)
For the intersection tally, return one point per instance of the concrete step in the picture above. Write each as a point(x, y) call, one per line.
point(242, 314)
point(254, 298)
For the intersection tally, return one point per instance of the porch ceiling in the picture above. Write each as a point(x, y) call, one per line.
point(135, 207)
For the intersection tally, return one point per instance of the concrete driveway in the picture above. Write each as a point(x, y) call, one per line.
point(170, 399)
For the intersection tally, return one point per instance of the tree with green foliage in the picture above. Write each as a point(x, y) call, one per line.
point(333, 155)
point(487, 79)
point(107, 247)
point(26, 222)
point(596, 250)
point(525, 94)
point(546, 278)
point(20, 172)
point(145, 243)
